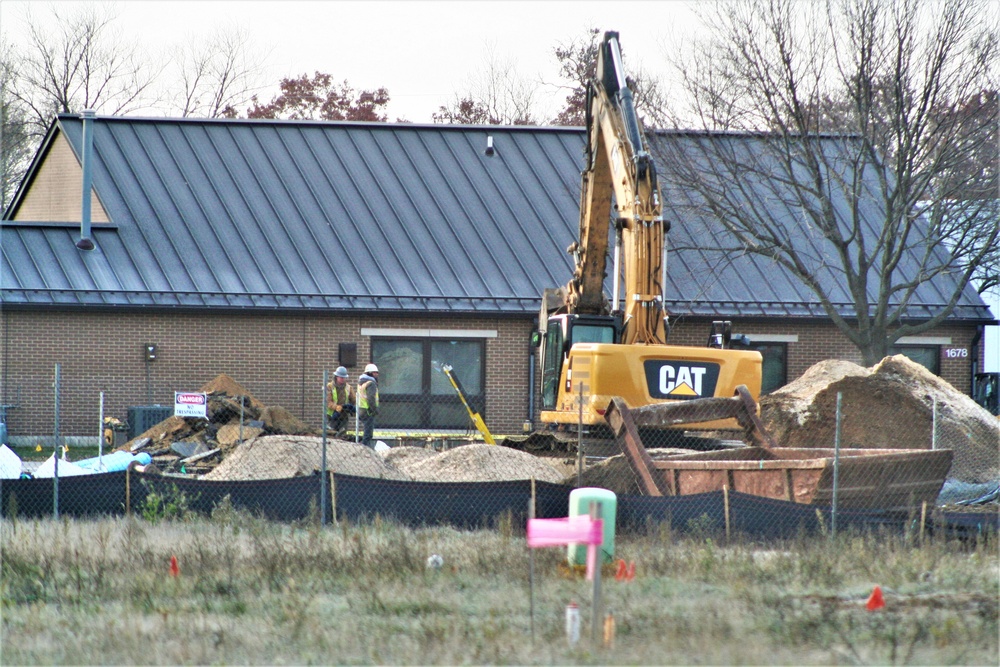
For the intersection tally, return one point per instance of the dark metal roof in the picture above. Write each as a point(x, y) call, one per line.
point(293, 215)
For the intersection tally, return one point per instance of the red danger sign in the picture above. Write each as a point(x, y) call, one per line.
point(188, 404)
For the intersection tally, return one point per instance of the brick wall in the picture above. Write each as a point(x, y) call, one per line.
point(818, 341)
point(280, 359)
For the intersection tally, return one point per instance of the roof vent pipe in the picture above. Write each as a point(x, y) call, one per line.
point(85, 242)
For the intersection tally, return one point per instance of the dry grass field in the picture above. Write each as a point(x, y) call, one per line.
point(255, 592)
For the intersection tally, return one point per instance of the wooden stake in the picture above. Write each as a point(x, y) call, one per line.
point(534, 499)
point(923, 521)
point(725, 501)
point(595, 609)
point(128, 491)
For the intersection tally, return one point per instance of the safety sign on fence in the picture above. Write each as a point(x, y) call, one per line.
point(189, 404)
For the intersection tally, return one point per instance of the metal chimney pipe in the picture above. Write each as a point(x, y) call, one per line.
point(85, 242)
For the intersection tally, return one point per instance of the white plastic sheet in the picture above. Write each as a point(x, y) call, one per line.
point(10, 463)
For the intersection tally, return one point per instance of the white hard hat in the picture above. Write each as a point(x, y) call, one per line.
point(341, 372)
point(371, 368)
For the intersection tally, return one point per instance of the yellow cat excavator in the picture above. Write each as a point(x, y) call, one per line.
point(600, 350)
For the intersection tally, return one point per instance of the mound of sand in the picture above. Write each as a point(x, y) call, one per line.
point(482, 463)
point(282, 456)
point(888, 406)
point(405, 458)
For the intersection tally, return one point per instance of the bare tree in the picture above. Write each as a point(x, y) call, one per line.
point(16, 144)
point(857, 168)
point(85, 63)
point(577, 65)
point(497, 95)
point(218, 74)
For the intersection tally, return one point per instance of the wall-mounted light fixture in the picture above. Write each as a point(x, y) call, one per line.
point(489, 144)
point(149, 353)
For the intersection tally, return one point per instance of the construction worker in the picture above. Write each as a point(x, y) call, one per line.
point(368, 402)
point(340, 400)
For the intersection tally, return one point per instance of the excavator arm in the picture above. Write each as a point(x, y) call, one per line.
point(594, 349)
point(619, 168)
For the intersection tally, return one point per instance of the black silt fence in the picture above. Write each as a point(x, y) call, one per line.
point(459, 504)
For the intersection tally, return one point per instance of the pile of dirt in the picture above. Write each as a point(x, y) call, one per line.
point(282, 456)
point(482, 463)
point(405, 458)
point(234, 415)
point(891, 405)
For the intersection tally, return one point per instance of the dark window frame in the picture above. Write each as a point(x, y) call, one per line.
point(757, 345)
point(425, 401)
point(933, 351)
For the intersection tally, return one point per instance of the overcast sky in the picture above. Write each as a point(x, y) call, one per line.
point(423, 52)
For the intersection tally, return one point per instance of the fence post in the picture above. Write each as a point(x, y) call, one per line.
point(836, 469)
point(55, 450)
point(934, 424)
point(322, 489)
point(579, 441)
point(531, 565)
point(333, 498)
point(725, 500)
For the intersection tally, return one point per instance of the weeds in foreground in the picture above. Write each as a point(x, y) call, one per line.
point(253, 591)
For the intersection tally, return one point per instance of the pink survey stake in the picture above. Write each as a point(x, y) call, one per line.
point(571, 530)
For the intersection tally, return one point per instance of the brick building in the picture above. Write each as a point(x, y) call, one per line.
point(272, 250)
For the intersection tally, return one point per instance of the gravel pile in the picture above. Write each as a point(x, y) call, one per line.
point(281, 456)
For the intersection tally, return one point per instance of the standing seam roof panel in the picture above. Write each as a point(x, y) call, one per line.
point(261, 198)
point(410, 187)
point(501, 223)
point(191, 217)
point(389, 209)
point(159, 238)
point(217, 222)
point(123, 195)
point(297, 152)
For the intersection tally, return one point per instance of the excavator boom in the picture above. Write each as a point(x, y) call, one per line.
point(619, 167)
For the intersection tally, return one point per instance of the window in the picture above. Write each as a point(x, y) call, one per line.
point(928, 356)
point(775, 368)
point(551, 366)
point(592, 333)
point(414, 392)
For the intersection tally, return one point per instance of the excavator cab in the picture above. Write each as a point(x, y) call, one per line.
point(986, 391)
point(564, 331)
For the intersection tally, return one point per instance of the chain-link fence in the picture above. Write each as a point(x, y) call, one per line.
point(774, 467)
